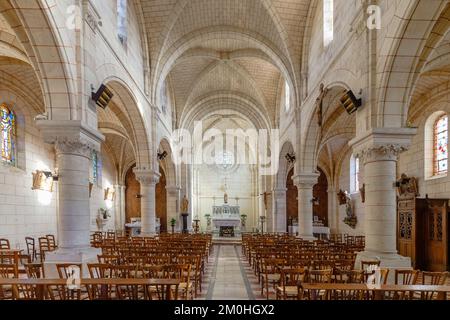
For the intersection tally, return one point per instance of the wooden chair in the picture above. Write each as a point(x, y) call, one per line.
point(7, 271)
point(4, 244)
point(64, 272)
point(31, 248)
point(35, 270)
point(271, 274)
point(100, 292)
point(432, 279)
point(290, 283)
point(51, 242)
point(43, 247)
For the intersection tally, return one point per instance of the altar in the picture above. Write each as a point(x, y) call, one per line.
point(226, 219)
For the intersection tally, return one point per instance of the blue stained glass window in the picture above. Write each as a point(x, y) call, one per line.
point(94, 167)
point(441, 145)
point(8, 131)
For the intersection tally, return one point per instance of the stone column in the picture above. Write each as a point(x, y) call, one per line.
point(73, 162)
point(333, 212)
point(73, 143)
point(305, 183)
point(279, 211)
point(119, 207)
point(378, 151)
point(148, 180)
point(173, 204)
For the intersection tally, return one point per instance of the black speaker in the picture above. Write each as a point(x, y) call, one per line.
point(349, 102)
point(102, 97)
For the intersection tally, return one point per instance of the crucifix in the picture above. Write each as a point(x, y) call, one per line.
point(265, 195)
point(319, 104)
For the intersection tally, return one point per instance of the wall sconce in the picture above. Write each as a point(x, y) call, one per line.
point(138, 196)
point(102, 97)
point(162, 155)
point(349, 102)
point(315, 201)
point(110, 194)
point(290, 157)
point(43, 180)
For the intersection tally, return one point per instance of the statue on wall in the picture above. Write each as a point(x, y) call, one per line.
point(184, 205)
point(225, 198)
point(407, 186)
point(319, 104)
point(345, 199)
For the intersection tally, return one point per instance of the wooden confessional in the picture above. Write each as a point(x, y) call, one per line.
point(422, 230)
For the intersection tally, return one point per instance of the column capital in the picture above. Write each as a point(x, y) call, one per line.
point(382, 144)
point(146, 176)
point(70, 136)
point(173, 189)
point(305, 180)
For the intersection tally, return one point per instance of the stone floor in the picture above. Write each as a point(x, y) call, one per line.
point(228, 276)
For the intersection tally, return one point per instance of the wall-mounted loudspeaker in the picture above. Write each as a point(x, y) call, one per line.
point(350, 102)
point(102, 97)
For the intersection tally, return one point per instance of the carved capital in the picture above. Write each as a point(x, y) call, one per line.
point(305, 180)
point(146, 177)
point(73, 146)
point(387, 152)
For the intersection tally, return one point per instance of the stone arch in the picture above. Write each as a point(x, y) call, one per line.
point(406, 47)
point(278, 59)
point(168, 164)
point(284, 165)
point(130, 117)
point(43, 45)
point(311, 141)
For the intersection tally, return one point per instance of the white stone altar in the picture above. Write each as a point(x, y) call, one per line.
point(226, 216)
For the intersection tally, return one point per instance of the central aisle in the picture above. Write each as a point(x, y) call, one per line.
point(228, 280)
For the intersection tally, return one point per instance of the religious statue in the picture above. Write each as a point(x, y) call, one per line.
point(342, 197)
point(350, 218)
point(225, 198)
point(319, 104)
point(184, 205)
point(407, 185)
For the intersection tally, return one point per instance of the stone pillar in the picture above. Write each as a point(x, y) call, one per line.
point(73, 163)
point(73, 143)
point(119, 207)
point(305, 183)
point(378, 151)
point(148, 180)
point(173, 204)
point(279, 209)
point(333, 212)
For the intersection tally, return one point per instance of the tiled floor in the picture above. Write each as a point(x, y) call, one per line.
point(226, 277)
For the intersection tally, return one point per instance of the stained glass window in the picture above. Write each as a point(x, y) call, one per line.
point(354, 174)
point(122, 21)
point(94, 167)
point(287, 96)
point(328, 22)
point(8, 131)
point(441, 145)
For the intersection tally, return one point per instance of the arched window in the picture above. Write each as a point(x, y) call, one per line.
point(354, 174)
point(8, 131)
point(122, 21)
point(441, 145)
point(328, 22)
point(163, 98)
point(287, 96)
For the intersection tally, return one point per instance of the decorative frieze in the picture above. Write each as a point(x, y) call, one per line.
point(387, 152)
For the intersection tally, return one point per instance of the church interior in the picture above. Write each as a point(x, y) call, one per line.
point(224, 150)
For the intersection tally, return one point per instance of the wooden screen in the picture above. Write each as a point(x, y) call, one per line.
point(132, 202)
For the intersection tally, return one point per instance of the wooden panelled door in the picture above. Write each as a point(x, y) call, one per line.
point(436, 244)
point(132, 192)
point(291, 199)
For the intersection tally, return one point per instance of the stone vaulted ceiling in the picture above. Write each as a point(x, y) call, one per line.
point(243, 48)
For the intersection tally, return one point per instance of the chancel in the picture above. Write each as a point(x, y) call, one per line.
point(211, 149)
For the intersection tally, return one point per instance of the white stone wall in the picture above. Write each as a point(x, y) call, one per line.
point(107, 179)
point(23, 211)
point(412, 162)
point(358, 206)
point(241, 183)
